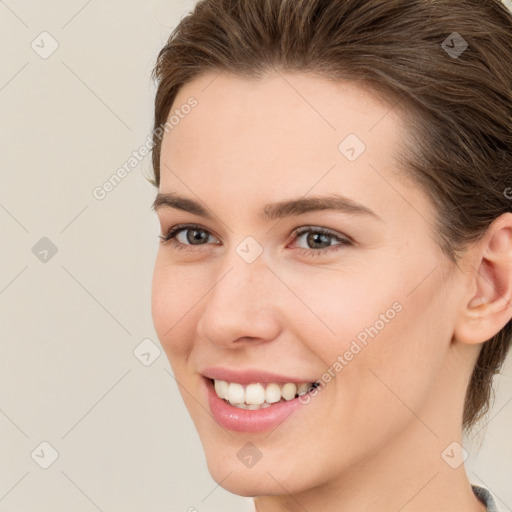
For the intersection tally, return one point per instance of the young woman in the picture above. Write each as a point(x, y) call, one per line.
point(334, 284)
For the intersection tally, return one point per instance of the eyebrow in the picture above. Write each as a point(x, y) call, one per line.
point(272, 211)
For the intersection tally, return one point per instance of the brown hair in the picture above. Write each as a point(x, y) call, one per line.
point(459, 100)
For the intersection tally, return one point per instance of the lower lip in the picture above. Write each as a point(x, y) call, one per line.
point(245, 420)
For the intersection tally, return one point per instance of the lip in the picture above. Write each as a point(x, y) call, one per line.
point(249, 376)
point(244, 420)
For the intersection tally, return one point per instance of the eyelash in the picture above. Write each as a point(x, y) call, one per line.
point(170, 238)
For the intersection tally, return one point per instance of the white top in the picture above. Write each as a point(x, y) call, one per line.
point(485, 497)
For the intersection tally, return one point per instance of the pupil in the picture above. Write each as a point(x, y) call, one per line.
point(317, 238)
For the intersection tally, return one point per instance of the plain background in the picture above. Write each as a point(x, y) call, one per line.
point(71, 321)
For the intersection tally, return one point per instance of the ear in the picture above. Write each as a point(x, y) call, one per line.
point(487, 307)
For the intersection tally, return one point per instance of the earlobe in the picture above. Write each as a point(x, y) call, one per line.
point(489, 308)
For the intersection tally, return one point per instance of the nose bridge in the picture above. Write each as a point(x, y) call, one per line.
point(240, 303)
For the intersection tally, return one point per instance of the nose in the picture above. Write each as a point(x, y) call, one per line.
point(241, 306)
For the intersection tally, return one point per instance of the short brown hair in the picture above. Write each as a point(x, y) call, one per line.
point(459, 99)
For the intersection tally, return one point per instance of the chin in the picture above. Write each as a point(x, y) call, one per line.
point(244, 481)
point(265, 478)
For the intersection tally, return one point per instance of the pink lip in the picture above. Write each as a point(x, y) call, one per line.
point(249, 376)
point(244, 420)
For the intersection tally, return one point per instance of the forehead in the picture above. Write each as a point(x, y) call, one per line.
point(282, 109)
point(283, 134)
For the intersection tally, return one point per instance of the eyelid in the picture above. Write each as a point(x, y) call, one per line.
point(305, 229)
point(170, 234)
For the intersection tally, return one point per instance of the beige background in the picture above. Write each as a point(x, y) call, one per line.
point(69, 324)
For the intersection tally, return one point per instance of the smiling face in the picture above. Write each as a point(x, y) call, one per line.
point(359, 291)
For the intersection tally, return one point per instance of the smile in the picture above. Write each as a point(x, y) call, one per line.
point(254, 401)
point(255, 396)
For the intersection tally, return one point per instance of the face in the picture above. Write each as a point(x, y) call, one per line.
point(309, 257)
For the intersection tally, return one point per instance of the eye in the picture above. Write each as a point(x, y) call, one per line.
point(184, 235)
point(319, 240)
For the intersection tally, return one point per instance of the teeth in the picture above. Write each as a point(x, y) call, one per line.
point(272, 393)
point(252, 407)
point(302, 389)
point(256, 396)
point(288, 391)
point(236, 393)
point(221, 388)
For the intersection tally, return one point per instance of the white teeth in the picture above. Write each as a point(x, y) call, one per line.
point(272, 393)
point(252, 407)
point(221, 388)
point(289, 390)
point(235, 393)
point(256, 396)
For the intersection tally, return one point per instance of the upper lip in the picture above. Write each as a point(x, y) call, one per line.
point(249, 376)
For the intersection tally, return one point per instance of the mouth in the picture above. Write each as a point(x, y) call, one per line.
point(253, 403)
point(254, 396)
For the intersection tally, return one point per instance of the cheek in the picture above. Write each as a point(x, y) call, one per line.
point(401, 363)
point(172, 307)
point(390, 341)
point(336, 307)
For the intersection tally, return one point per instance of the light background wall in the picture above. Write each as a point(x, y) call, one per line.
point(70, 321)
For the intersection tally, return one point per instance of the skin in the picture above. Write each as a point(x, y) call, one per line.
point(372, 438)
